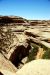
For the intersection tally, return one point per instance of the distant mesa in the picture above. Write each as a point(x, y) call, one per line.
point(12, 19)
point(21, 21)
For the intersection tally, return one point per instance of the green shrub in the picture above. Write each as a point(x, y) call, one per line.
point(46, 55)
point(32, 54)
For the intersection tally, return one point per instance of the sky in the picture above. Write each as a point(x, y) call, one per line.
point(29, 9)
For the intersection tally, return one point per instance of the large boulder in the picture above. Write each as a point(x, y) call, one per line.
point(36, 67)
point(6, 72)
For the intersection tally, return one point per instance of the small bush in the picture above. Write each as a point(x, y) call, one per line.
point(32, 54)
point(46, 55)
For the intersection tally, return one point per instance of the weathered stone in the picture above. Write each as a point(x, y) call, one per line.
point(6, 64)
point(15, 36)
point(36, 67)
point(6, 72)
point(21, 51)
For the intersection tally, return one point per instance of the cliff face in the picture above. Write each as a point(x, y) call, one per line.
point(19, 37)
point(13, 43)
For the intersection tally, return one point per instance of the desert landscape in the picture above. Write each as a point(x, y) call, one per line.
point(21, 41)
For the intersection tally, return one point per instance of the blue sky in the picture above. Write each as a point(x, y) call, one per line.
point(29, 9)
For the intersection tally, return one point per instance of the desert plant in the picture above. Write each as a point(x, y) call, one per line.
point(32, 54)
point(46, 55)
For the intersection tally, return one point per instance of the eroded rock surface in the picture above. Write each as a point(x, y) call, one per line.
point(17, 36)
point(13, 42)
point(5, 64)
point(36, 67)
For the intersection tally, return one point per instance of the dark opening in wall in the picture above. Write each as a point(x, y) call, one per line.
point(1, 73)
point(19, 53)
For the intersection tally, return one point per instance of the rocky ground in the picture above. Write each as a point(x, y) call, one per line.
point(22, 40)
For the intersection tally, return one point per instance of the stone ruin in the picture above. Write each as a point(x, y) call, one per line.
point(18, 36)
